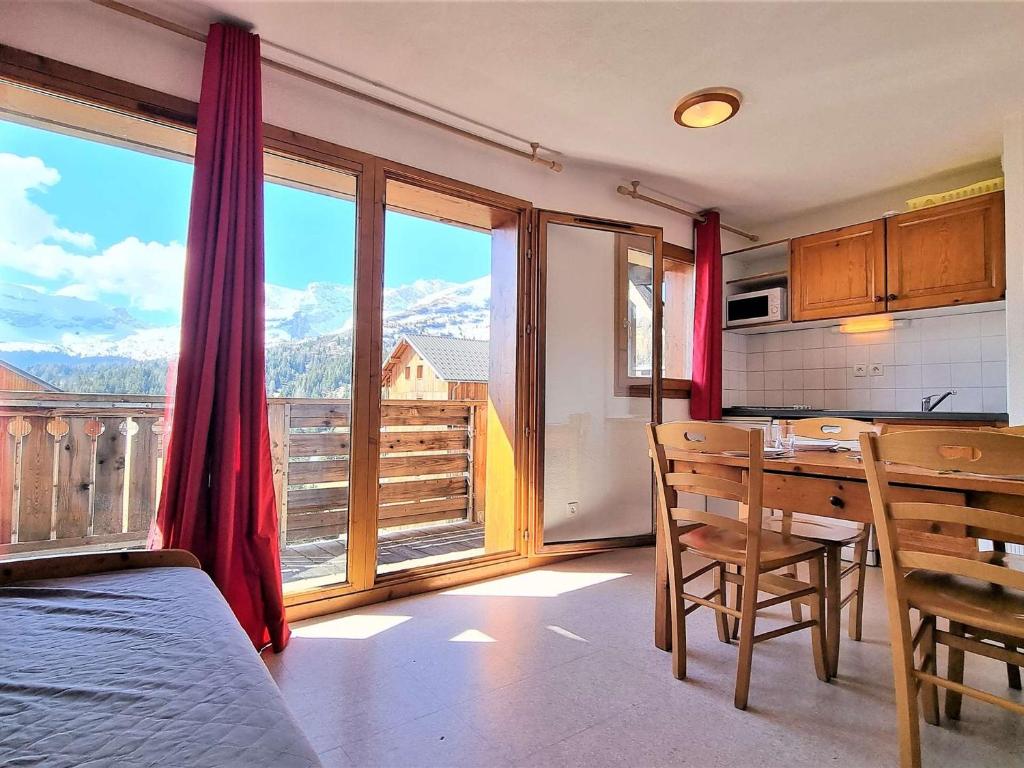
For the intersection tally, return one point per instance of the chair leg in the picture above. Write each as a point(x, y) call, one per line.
point(748, 610)
point(855, 621)
point(794, 606)
point(928, 662)
point(737, 604)
point(818, 649)
point(955, 672)
point(906, 698)
point(1012, 671)
point(678, 638)
point(833, 597)
point(721, 618)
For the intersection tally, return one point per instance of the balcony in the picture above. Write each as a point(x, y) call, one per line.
point(83, 472)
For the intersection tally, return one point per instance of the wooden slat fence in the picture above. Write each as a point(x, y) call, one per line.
point(81, 471)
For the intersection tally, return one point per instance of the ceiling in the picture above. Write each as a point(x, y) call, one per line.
point(841, 99)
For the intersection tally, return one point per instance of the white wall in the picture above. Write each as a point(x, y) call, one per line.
point(927, 355)
point(89, 36)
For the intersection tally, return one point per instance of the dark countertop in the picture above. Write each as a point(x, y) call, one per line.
point(789, 413)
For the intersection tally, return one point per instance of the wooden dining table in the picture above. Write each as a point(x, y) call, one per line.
point(834, 485)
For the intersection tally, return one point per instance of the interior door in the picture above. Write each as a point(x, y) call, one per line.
point(598, 339)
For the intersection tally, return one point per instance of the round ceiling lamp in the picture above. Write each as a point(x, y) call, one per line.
point(707, 107)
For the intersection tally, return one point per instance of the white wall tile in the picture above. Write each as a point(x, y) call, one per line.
point(906, 376)
point(994, 399)
point(831, 338)
point(835, 378)
point(909, 332)
point(773, 397)
point(812, 338)
point(793, 378)
point(908, 399)
point(814, 378)
point(935, 375)
point(857, 356)
point(730, 341)
point(755, 343)
point(792, 397)
point(773, 361)
point(934, 351)
point(858, 399)
point(965, 375)
point(755, 361)
point(963, 326)
point(834, 357)
point(835, 399)
point(964, 350)
point(755, 397)
point(792, 359)
point(907, 353)
point(993, 348)
point(773, 342)
point(813, 358)
point(883, 399)
point(734, 361)
point(814, 398)
point(755, 380)
point(882, 354)
point(968, 399)
point(932, 328)
point(792, 340)
point(993, 374)
point(773, 379)
point(885, 381)
point(993, 323)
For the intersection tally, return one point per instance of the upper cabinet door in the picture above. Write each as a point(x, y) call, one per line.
point(838, 273)
point(946, 255)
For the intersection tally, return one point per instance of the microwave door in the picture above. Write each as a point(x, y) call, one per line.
point(748, 309)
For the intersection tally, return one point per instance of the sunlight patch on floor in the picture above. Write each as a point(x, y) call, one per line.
point(538, 583)
point(472, 636)
point(349, 627)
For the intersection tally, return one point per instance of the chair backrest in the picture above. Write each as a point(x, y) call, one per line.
point(944, 450)
point(831, 428)
point(674, 448)
point(1017, 430)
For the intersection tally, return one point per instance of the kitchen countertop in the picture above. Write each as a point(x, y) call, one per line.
point(790, 413)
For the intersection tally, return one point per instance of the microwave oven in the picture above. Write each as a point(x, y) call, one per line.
point(767, 306)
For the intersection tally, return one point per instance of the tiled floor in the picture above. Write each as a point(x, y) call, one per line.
point(556, 667)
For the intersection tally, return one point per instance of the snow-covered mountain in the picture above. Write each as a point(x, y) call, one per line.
point(42, 325)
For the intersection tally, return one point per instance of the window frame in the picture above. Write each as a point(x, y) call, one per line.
point(672, 257)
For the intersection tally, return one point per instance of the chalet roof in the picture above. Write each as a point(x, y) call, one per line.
point(47, 386)
point(452, 359)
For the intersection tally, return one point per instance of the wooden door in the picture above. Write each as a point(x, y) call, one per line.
point(838, 273)
point(946, 255)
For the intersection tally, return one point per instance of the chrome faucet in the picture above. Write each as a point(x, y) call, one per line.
point(930, 402)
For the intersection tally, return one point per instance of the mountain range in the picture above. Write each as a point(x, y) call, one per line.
point(85, 345)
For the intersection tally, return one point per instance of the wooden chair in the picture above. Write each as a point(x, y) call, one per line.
point(728, 541)
point(833, 538)
point(980, 594)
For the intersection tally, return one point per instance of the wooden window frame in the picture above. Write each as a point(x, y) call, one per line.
point(625, 385)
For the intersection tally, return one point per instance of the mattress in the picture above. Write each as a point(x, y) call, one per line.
point(142, 667)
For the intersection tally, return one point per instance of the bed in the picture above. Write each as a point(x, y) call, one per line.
point(133, 659)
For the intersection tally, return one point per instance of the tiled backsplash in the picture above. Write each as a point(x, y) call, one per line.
point(815, 366)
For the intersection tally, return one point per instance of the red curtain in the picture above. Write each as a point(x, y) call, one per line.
point(218, 491)
point(706, 395)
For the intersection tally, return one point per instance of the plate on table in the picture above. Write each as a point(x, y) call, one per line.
point(769, 453)
point(813, 444)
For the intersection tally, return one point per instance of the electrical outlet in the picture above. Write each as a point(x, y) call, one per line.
point(860, 370)
point(876, 369)
point(574, 507)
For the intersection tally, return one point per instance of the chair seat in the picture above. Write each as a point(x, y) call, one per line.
point(731, 547)
point(819, 532)
point(972, 602)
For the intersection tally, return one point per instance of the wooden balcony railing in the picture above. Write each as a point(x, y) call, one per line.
point(84, 471)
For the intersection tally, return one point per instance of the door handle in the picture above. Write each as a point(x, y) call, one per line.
point(892, 297)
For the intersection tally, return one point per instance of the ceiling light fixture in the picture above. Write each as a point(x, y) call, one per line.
point(707, 107)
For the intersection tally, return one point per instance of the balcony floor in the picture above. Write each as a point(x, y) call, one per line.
point(396, 549)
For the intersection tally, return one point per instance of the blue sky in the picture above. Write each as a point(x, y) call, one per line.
point(113, 193)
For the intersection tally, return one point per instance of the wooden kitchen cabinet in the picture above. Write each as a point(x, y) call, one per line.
point(946, 255)
point(838, 273)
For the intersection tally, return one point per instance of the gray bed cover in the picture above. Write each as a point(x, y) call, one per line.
point(136, 668)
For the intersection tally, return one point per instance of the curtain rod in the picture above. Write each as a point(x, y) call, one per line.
point(533, 155)
point(632, 192)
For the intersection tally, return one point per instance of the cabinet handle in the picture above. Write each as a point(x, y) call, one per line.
point(892, 297)
point(836, 502)
point(879, 299)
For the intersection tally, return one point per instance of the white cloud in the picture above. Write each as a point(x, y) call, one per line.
point(150, 275)
point(22, 221)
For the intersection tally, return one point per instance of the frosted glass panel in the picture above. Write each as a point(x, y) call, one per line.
point(597, 475)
